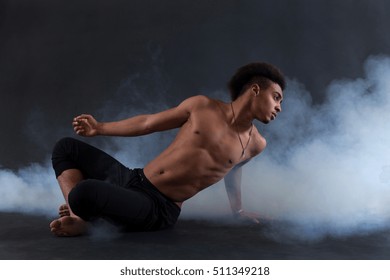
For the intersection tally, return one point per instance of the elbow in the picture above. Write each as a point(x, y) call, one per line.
point(148, 127)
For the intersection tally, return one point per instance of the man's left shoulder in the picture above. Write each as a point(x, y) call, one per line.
point(259, 142)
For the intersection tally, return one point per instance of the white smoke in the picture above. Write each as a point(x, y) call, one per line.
point(326, 169)
point(30, 190)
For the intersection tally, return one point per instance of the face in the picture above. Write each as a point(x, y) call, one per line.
point(267, 102)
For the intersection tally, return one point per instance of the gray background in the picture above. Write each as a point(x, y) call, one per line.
point(62, 58)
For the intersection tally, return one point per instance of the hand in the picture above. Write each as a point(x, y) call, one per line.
point(249, 217)
point(85, 125)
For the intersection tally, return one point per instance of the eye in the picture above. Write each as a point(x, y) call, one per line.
point(278, 98)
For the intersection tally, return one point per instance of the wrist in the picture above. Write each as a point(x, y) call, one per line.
point(100, 128)
point(237, 213)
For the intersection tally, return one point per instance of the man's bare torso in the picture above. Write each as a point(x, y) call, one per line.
point(205, 149)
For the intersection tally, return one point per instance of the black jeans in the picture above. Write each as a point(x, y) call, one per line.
point(109, 190)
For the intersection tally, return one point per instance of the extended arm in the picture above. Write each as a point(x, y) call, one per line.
point(86, 125)
point(233, 189)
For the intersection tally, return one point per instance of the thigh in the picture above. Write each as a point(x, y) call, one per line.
point(129, 208)
point(91, 161)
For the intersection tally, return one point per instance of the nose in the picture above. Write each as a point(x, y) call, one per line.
point(278, 108)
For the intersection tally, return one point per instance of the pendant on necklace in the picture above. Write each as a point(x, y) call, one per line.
point(238, 134)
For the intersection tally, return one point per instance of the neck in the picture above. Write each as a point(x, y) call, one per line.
point(240, 114)
point(238, 133)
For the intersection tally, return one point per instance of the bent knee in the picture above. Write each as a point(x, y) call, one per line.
point(88, 198)
point(82, 191)
point(61, 144)
point(81, 197)
point(62, 155)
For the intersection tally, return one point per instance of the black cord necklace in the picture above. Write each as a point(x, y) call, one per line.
point(238, 134)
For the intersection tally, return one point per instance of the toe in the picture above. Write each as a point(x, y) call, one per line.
point(55, 224)
point(63, 207)
point(63, 210)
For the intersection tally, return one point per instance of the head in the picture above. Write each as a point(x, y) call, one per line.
point(261, 73)
point(265, 104)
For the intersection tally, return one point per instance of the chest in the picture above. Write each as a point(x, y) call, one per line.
point(223, 143)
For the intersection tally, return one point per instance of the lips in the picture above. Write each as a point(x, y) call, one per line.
point(273, 116)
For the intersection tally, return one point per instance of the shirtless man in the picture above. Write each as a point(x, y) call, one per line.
point(214, 141)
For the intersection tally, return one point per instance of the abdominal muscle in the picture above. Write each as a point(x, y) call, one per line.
point(181, 173)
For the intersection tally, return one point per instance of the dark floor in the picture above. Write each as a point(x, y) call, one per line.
point(25, 237)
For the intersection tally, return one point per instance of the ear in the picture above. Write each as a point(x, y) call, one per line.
point(255, 89)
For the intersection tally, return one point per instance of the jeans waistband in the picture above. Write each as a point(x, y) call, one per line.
point(146, 183)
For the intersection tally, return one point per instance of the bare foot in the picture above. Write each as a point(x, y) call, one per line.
point(68, 226)
point(63, 210)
